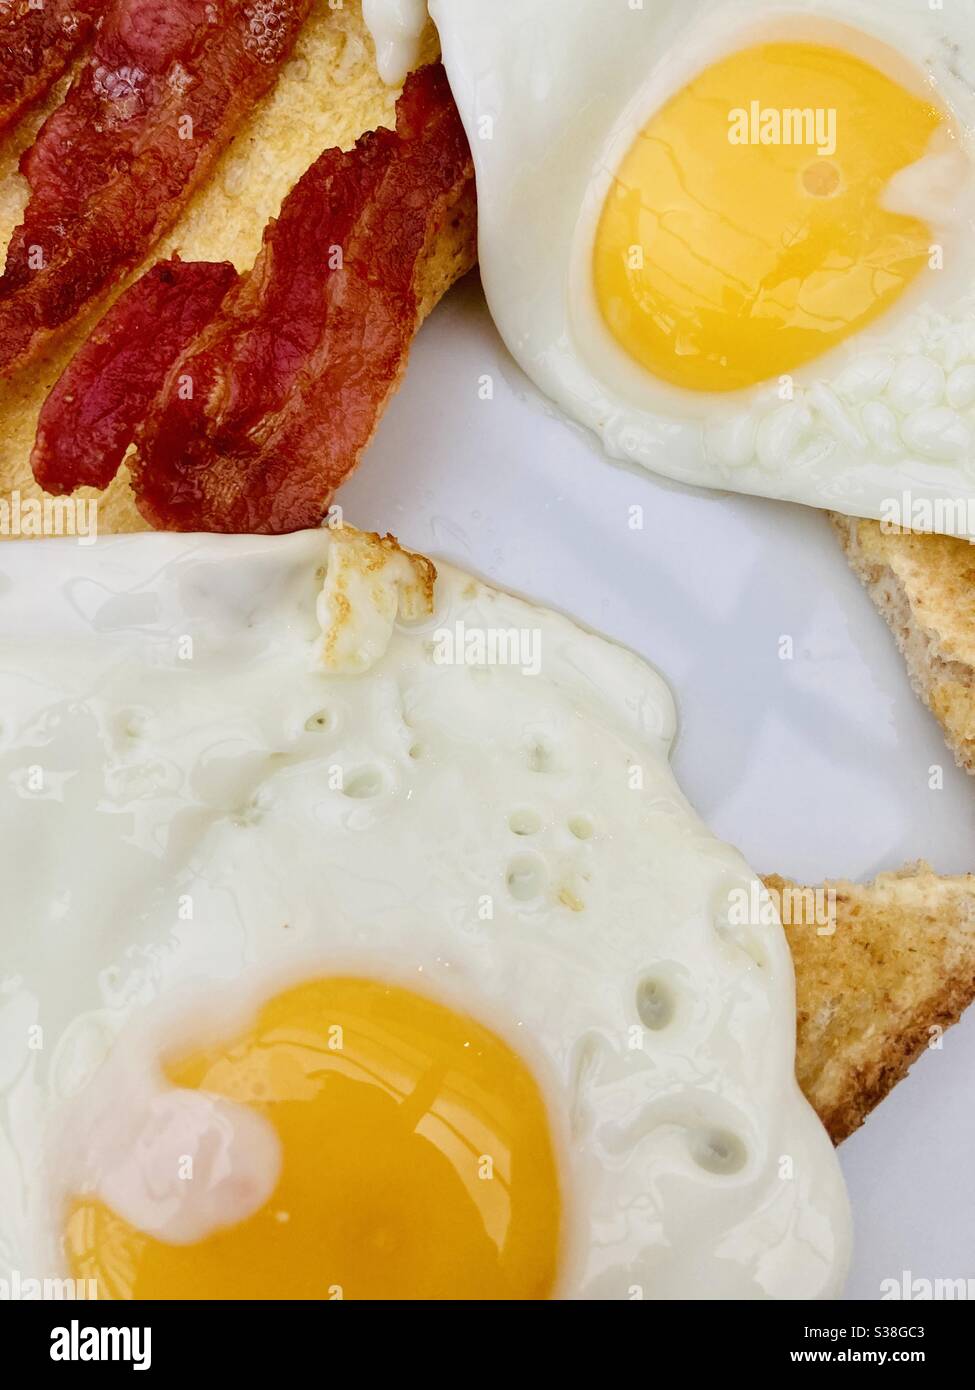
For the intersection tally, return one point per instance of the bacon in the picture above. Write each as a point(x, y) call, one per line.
point(292, 376)
point(166, 86)
point(36, 45)
point(90, 417)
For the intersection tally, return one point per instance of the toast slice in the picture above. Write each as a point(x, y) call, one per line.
point(898, 969)
point(924, 586)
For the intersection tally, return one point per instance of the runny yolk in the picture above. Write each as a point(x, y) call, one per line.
point(417, 1162)
point(720, 263)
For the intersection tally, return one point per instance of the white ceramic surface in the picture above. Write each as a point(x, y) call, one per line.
point(814, 767)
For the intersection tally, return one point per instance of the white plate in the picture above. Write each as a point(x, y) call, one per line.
point(815, 767)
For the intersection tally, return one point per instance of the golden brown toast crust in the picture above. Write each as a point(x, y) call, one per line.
point(924, 586)
point(897, 971)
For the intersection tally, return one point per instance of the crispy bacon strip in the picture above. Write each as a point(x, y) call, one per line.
point(37, 42)
point(293, 374)
point(166, 86)
point(89, 419)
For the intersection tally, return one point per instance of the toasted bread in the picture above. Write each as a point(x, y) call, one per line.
point(924, 586)
point(898, 969)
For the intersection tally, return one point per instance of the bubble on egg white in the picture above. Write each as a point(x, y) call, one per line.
point(524, 822)
point(841, 422)
point(526, 878)
point(960, 388)
point(718, 1151)
point(938, 433)
point(655, 1004)
point(780, 433)
point(581, 827)
point(916, 382)
point(864, 378)
point(880, 423)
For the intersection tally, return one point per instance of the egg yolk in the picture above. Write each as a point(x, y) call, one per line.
point(736, 242)
point(417, 1163)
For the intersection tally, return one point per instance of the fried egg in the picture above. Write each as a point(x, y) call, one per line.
point(735, 239)
point(358, 942)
